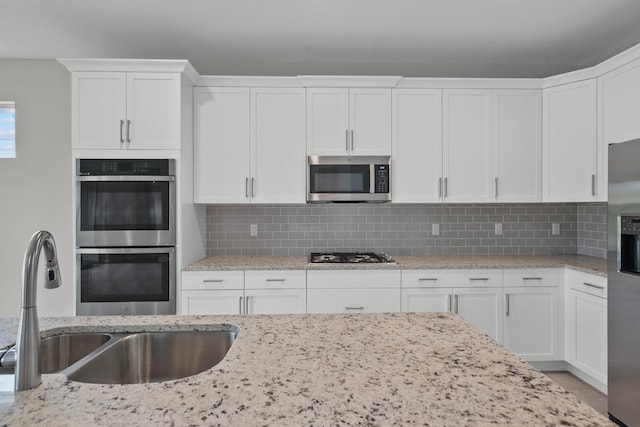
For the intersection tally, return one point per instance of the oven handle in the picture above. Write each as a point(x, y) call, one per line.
point(158, 250)
point(126, 178)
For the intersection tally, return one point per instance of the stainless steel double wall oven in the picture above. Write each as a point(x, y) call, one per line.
point(125, 236)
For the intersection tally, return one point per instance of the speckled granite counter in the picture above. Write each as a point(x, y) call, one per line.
point(365, 369)
point(578, 262)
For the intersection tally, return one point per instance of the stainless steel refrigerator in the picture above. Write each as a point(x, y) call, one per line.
point(623, 261)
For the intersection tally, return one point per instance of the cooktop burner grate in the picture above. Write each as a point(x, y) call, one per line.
point(348, 257)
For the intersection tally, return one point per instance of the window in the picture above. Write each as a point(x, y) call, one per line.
point(7, 130)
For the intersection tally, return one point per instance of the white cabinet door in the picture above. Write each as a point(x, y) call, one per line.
point(212, 302)
point(569, 142)
point(426, 300)
point(222, 134)
point(276, 301)
point(517, 146)
point(327, 121)
point(153, 110)
point(348, 121)
point(482, 307)
point(98, 112)
point(587, 333)
point(531, 328)
point(378, 300)
point(277, 143)
point(467, 146)
point(619, 119)
point(417, 146)
point(370, 121)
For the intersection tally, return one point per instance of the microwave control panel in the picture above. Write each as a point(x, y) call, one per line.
point(381, 178)
point(630, 224)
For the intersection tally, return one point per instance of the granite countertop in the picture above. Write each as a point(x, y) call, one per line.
point(579, 262)
point(349, 369)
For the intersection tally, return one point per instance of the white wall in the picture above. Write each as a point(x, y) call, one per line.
point(36, 187)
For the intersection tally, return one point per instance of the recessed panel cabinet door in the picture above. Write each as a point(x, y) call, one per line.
point(153, 109)
point(222, 134)
point(467, 146)
point(370, 118)
point(482, 307)
point(426, 300)
point(276, 301)
point(327, 121)
point(98, 110)
point(212, 302)
point(278, 145)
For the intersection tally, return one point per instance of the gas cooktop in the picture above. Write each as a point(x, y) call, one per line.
point(348, 257)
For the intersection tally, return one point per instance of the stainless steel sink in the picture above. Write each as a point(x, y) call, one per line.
point(153, 357)
point(61, 351)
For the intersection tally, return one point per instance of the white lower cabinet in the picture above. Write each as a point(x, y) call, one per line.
point(353, 291)
point(212, 302)
point(482, 307)
point(586, 325)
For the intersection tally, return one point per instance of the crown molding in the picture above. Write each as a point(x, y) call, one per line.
point(131, 65)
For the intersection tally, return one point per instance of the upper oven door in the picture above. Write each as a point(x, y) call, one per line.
point(125, 211)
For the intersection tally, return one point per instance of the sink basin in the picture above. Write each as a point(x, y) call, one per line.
point(153, 357)
point(61, 351)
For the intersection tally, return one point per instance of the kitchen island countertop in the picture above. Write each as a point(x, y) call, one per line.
point(349, 369)
point(579, 262)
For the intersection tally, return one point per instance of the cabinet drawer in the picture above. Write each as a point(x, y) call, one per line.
point(353, 300)
point(433, 278)
point(532, 277)
point(275, 279)
point(212, 280)
point(588, 283)
point(339, 279)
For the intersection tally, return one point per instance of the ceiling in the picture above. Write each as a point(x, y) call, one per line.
point(411, 38)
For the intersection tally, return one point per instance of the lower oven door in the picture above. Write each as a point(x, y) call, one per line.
point(115, 281)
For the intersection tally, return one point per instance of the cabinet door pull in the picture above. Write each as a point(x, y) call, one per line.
point(212, 280)
point(253, 187)
point(507, 301)
point(351, 139)
point(532, 278)
point(276, 280)
point(346, 138)
point(478, 278)
point(496, 184)
point(240, 305)
point(246, 305)
point(591, 285)
point(121, 131)
point(593, 184)
point(427, 279)
point(455, 303)
point(128, 131)
point(246, 187)
point(449, 301)
point(440, 187)
point(354, 308)
point(446, 187)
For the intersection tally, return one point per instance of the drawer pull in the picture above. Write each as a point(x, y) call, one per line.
point(354, 308)
point(507, 303)
point(427, 279)
point(532, 278)
point(213, 281)
point(276, 280)
point(593, 286)
point(478, 278)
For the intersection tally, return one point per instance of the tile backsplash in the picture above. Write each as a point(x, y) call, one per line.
point(464, 229)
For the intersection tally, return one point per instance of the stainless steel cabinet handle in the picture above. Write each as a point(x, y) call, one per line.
point(593, 286)
point(128, 131)
point(440, 187)
point(455, 304)
point(121, 131)
point(507, 310)
point(478, 278)
point(593, 184)
point(425, 279)
point(246, 187)
point(276, 280)
point(346, 138)
point(449, 300)
point(240, 306)
point(354, 308)
point(446, 187)
point(351, 139)
point(212, 281)
point(496, 181)
point(532, 278)
point(246, 305)
point(253, 187)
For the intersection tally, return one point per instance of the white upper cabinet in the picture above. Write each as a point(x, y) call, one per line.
point(417, 146)
point(249, 145)
point(117, 110)
point(569, 142)
point(348, 121)
point(517, 145)
point(467, 146)
point(619, 114)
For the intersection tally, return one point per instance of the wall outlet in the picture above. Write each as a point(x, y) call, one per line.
point(555, 229)
point(498, 229)
point(435, 229)
point(253, 232)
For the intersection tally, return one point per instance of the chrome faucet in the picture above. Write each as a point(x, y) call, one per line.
point(27, 348)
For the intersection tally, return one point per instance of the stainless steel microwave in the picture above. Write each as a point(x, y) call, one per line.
point(348, 179)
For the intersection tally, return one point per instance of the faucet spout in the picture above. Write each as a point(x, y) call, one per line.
point(27, 372)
